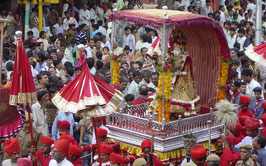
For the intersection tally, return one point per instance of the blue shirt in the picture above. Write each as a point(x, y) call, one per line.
point(40, 67)
point(94, 33)
point(261, 157)
point(260, 109)
point(68, 116)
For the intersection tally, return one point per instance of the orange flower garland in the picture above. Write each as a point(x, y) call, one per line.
point(223, 79)
point(115, 73)
point(160, 113)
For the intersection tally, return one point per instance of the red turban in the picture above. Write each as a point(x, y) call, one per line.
point(106, 149)
point(11, 146)
point(238, 127)
point(263, 118)
point(24, 162)
point(63, 124)
point(65, 136)
point(230, 139)
point(244, 99)
point(47, 140)
point(264, 105)
point(242, 119)
point(62, 146)
point(74, 149)
point(198, 152)
point(116, 158)
point(252, 124)
point(146, 144)
point(101, 132)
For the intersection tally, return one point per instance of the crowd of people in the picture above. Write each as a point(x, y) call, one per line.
point(62, 138)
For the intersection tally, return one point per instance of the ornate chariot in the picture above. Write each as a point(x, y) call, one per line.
point(206, 70)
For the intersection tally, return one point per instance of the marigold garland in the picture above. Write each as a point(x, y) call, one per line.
point(115, 72)
point(160, 113)
point(223, 79)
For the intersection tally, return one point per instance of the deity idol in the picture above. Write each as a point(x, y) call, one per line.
point(185, 100)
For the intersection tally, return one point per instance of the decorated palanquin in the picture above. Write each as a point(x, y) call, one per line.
point(193, 65)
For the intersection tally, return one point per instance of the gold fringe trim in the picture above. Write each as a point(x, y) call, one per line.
point(23, 98)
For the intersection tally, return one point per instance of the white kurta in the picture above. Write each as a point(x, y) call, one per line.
point(7, 162)
point(65, 162)
point(84, 17)
point(39, 119)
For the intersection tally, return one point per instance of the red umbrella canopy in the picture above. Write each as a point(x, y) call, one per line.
point(22, 89)
point(87, 94)
point(257, 53)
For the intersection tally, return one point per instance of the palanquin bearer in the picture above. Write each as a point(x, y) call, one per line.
point(43, 155)
point(229, 156)
point(116, 159)
point(60, 154)
point(198, 155)
point(74, 153)
point(145, 146)
point(102, 137)
point(105, 151)
point(12, 149)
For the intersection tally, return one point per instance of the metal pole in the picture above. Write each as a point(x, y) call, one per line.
point(27, 19)
point(164, 50)
point(258, 22)
point(1, 50)
point(209, 122)
point(40, 15)
point(112, 45)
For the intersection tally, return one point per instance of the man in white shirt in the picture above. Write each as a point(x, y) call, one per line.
point(247, 76)
point(84, 15)
point(231, 39)
point(60, 151)
point(101, 28)
point(93, 13)
point(39, 118)
point(129, 39)
point(33, 29)
point(134, 85)
point(69, 20)
point(222, 15)
point(89, 48)
point(241, 38)
point(251, 6)
point(58, 26)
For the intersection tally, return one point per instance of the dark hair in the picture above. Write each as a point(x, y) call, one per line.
point(143, 90)
point(42, 33)
point(129, 97)
point(99, 65)
point(257, 89)
point(247, 72)
point(244, 60)
point(126, 47)
point(9, 66)
point(63, 44)
point(49, 57)
point(29, 33)
point(99, 55)
point(100, 22)
point(136, 73)
point(68, 64)
point(6, 54)
point(70, 71)
point(127, 28)
point(56, 62)
point(39, 76)
point(52, 51)
point(78, 68)
point(261, 141)
point(142, 49)
point(90, 62)
point(41, 56)
point(95, 26)
point(155, 73)
point(234, 74)
point(40, 94)
point(32, 44)
point(53, 39)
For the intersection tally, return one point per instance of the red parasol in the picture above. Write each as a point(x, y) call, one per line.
point(88, 95)
point(22, 89)
point(257, 53)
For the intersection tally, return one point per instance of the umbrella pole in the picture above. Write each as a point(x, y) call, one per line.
point(97, 141)
point(30, 126)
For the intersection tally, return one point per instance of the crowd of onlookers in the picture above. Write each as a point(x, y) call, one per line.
point(54, 57)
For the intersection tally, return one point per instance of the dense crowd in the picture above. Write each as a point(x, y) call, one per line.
point(54, 61)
